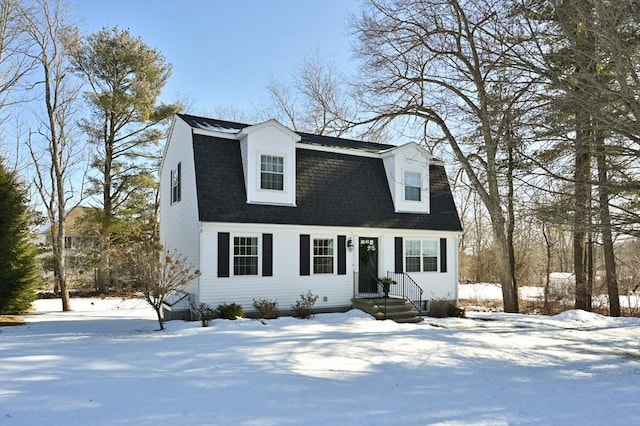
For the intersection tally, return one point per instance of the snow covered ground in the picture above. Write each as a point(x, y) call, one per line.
point(104, 364)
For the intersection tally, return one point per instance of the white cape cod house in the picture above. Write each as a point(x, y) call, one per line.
point(266, 212)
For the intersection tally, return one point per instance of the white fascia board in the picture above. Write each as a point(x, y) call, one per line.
point(270, 123)
point(336, 150)
point(167, 139)
point(217, 134)
point(395, 150)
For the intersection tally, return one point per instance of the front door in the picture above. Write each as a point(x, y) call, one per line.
point(368, 255)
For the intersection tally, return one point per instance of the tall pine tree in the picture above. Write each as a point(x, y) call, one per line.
point(125, 77)
point(18, 262)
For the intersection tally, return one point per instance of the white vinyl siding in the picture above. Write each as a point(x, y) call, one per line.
point(286, 285)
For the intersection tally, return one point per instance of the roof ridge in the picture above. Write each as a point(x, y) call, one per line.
point(306, 137)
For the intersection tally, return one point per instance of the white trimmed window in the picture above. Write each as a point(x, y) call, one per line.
point(245, 255)
point(421, 255)
point(323, 255)
point(412, 186)
point(272, 172)
point(176, 183)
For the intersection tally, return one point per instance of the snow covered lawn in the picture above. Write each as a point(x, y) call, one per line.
point(103, 364)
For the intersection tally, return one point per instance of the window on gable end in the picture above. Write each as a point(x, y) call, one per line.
point(176, 183)
point(272, 172)
point(412, 186)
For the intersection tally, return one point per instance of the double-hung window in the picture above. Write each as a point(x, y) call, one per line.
point(176, 177)
point(245, 255)
point(323, 256)
point(412, 186)
point(429, 255)
point(271, 172)
point(421, 255)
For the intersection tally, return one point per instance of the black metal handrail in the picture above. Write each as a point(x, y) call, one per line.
point(406, 288)
point(370, 294)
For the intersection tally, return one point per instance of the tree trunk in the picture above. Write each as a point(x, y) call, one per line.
point(104, 266)
point(511, 219)
point(158, 310)
point(581, 207)
point(509, 291)
point(605, 224)
point(59, 254)
point(547, 243)
point(589, 267)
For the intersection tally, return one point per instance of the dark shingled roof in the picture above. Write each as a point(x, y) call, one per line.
point(307, 138)
point(332, 189)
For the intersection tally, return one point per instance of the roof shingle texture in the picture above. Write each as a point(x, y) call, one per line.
point(332, 189)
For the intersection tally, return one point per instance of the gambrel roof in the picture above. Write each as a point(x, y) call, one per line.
point(333, 187)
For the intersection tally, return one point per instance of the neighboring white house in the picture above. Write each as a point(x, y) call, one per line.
point(266, 212)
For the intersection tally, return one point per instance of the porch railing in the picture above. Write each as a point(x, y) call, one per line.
point(406, 288)
point(369, 293)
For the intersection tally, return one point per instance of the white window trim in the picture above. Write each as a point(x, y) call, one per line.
point(404, 186)
point(232, 255)
point(259, 172)
point(335, 254)
point(176, 174)
point(421, 241)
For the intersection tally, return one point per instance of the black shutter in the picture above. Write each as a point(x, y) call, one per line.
point(305, 254)
point(223, 254)
point(443, 255)
point(342, 255)
point(267, 255)
point(398, 255)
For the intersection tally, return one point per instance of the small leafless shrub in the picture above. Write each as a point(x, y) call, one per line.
point(205, 313)
point(267, 309)
point(303, 307)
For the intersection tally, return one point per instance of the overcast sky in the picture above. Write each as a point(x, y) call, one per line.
point(225, 52)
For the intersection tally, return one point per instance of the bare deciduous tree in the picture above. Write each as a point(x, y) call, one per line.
point(15, 63)
point(157, 273)
point(441, 63)
point(60, 151)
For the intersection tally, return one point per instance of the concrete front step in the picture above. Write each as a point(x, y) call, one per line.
point(398, 310)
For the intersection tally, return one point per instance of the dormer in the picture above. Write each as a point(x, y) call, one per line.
point(407, 169)
point(269, 163)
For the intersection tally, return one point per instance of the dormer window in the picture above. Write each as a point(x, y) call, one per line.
point(412, 186)
point(272, 172)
